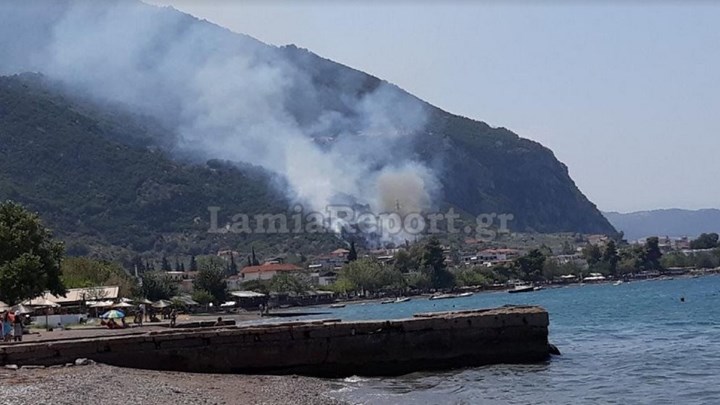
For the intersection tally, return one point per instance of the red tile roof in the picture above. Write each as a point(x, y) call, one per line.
point(270, 267)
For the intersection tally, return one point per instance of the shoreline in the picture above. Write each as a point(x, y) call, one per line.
point(102, 384)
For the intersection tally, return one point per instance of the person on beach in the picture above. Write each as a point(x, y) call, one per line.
point(173, 317)
point(18, 330)
point(220, 322)
point(7, 326)
point(2, 327)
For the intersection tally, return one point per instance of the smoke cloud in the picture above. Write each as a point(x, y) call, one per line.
point(228, 96)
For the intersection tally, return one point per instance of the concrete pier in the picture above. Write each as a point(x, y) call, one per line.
point(319, 348)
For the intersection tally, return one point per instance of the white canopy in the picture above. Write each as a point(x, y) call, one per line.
point(123, 305)
point(246, 294)
point(101, 304)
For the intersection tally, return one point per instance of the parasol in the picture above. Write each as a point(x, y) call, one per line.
point(113, 314)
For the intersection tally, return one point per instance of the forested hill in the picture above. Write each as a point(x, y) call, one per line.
point(235, 98)
point(112, 199)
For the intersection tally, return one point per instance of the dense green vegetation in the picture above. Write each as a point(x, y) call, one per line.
point(29, 256)
point(113, 200)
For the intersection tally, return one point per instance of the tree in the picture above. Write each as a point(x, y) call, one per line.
point(165, 264)
point(255, 261)
point(610, 257)
point(433, 263)
point(531, 265)
point(352, 255)
point(261, 286)
point(202, 297)
point(29, 257)
point(592, 254)
point(471, 277)
point(705, 241)
point(211, 277)
point(408, 260)
point(193, 263)
point(81, 272)
point(651, 254)
point(232, 267)
point(289, 283)
point(157, 285)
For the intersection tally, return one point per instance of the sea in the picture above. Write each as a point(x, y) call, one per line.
point(634, 343)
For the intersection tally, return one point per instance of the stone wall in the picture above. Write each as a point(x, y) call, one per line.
point(427, 341)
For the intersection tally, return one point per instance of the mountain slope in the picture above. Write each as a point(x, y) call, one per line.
point(108, 197)
point(331, 132)
point(668, 222)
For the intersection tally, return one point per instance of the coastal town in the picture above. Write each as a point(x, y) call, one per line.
point(246, 286)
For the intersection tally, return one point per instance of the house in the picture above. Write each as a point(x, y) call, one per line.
point(267, 271)
point(598, 240)
point(323, 278)
point(497, 255)
point(328, 262)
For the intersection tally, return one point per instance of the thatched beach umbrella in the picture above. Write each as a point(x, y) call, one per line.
point(4, 307)
point(123, 305)
point(161, 304)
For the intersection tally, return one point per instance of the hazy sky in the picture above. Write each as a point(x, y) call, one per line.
point(627, 96)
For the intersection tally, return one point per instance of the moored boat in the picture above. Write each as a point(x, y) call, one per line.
point(338, 305)
point(521, 288)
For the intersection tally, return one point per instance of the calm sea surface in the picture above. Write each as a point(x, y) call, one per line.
point(635, 343)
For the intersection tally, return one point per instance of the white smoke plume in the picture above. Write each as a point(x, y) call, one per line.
point(229, 97)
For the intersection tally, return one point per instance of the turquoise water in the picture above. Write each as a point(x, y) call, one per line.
point(635, 343)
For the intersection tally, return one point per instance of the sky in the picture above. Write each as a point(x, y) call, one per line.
point(626, 94)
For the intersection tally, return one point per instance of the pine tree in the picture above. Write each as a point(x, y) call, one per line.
point(255, 261)
point(352, 255)
point(233, 267)
point(165, 264)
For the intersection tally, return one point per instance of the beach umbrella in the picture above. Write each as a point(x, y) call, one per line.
point(4, 307)
point(123, 305)
point(126, 300)
point(21, 309)
point(113, 314)
point(161, 304)
point(101, 304)
point(144, 301)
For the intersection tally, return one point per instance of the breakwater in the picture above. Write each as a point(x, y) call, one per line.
point(322, 348)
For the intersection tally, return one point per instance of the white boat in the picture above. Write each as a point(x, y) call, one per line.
point(442, 297)
point(402, 299)
point(339, 305)
point(387, 302)
point(521, 288)
point(538, 288)
point(618, 282)
point(465, 294)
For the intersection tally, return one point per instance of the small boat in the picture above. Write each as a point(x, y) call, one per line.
point(387, 302)
point(338, 305)
point(442, 297)
point(538, 288)
point(521, 288)
point(618, 282)
point(465, 294)
point(402, 299)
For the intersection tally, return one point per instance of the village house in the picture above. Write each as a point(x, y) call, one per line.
point(266, 271)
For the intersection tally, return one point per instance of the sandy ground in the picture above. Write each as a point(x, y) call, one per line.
point(101, 384)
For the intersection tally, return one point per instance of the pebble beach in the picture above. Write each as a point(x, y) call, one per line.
point(101, 384)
